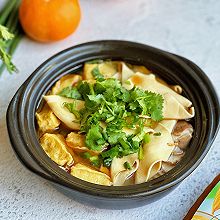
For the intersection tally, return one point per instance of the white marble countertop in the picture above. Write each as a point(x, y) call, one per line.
point(188, 28)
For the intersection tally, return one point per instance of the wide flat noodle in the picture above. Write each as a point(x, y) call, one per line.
point(175, 105)
point(157, 150)
point(126, 73)
point(108, 69)
point(141, 69)
point(173, 109)
point(149, 82)
point(56, 104)
point(169, 124)
point(118, 172)
point(130, 131)
point(87, 174)
point(55, 147)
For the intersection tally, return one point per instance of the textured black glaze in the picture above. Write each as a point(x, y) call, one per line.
point(172, 68)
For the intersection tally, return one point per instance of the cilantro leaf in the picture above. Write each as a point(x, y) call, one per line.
point(113, 137)
point(98, 99)
point(109, 108)
point(94, 160)
point(96, 73)
point(109, 155)
point(94, 139)
point(84, 89)
point(147, 103)
point(6, 36)
point(70, 92)
point(72, 108)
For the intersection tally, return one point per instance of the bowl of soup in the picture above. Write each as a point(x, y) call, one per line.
point(114, 124)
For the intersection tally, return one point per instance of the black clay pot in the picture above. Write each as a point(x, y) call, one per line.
point(172, 68)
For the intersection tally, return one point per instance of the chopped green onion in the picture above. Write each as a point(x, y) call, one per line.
point(157, 134)
point(141, 153)
point(146, 138)
point(127, 166)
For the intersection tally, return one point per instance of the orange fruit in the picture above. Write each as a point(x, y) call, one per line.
point(49, 20)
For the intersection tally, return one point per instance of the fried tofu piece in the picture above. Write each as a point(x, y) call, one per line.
point(65, 81)
point(108, 69)
point(90, 175)
point(56, 104)
point(46, 120)
point(55, 147)
point(77, 143)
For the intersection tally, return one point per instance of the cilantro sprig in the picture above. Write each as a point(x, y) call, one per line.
point(70, 92)
point(5, 37)
point(109, 108)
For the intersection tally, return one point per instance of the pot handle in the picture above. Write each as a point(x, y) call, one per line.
point(17, 143)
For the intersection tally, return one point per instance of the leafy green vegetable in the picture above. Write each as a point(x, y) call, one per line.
point(85, 155)
point(94, 160)
point(72, 108)
point(94, 138)
point(109, 108)
point(147, 103)
point(84, 89)
point(109, 155)
point(70, 92)
point(8, 41)
point(6, 36)
point(96, 73)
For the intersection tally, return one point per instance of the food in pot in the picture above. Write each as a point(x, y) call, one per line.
point(115, 124)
